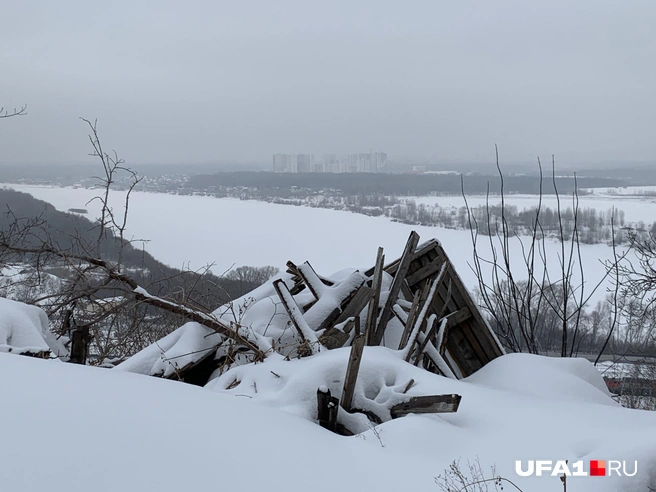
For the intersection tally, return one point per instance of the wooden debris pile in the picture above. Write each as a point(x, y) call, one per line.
point(415, 305)
point(443, 330)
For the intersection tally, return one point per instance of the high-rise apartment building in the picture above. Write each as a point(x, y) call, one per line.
point(284, 163)
point(372, 162)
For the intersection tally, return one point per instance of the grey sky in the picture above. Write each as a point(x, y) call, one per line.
point(199, 81)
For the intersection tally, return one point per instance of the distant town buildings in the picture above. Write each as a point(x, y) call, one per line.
point(372, 162)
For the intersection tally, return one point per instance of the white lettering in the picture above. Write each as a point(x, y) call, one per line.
point(635, 469)
point(529, 470)
point(614, 465)
point(578, 469)
point(542, 466)
point(561, 468)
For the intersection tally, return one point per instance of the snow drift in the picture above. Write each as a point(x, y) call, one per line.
point(126, 431)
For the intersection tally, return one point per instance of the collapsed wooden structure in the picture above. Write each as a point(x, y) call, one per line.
point(416, 305)
point(424, 285)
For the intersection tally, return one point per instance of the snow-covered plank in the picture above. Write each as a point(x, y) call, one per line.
point(395, 288)
point(427, 404)
point(372, 311)
point(305, 332)
point(352, 369)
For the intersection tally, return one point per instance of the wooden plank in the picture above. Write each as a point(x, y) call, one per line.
point(458, 317)
point(424, 272)
point(484, 332)
point(330, 320)
point(445, 305)
point(421, 250)
point(310, 278)
point(298, 281)
point(356, 304)
point(422, 346)
point(307, 335)
point(435, 359)
point(395, 288)
point(333, 338)
point(421, 317)
point(437, 283)
point(427, 404)
point(473, 341)
point(424, 248)
point(349, 326)
point(412, 314)
point(327, 408)
point(460, 350)
point(352, 370)
point(293, 269)
point(407, 291)
point(372, 311)
point(400, 314)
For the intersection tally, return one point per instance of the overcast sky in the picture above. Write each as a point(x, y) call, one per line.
point(200, 81)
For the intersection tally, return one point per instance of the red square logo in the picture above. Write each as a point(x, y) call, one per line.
point(597, 468)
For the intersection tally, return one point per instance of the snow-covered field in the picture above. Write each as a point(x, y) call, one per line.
point(74, 428)
point(196, 231)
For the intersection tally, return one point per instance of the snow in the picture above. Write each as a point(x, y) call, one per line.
point(178, 234)
point(20, 281)
point(126, 431)
point(24, 329)
point(185, 345)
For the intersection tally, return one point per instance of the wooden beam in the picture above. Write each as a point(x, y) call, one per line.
point(293, 269)
point(333, 338)
point(458, 317)
point(356, 304)
point(296, 278)
point(352, 370)
point(410, 384)
point(307, 335)
point(327, 408)
point(395, 288)
point(330, 320)
point(484, 333)
point(407, 291)
point(425, 248)
point(433, 288)
point(372, 311)
point(311, 279)
point(425, 271)
point(412, 314)
point(439, 361)
point(427, 404)
point(429, 335)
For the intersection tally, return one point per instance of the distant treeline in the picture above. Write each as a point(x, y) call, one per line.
point(349, 184)
point(593, 226)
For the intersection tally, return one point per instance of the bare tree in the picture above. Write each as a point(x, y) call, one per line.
point(6, 113)
point(252, 274)
point(101, 303)
point(518, 288)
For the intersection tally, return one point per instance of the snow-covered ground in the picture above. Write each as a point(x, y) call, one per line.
point(73, 428)
point(196, 231)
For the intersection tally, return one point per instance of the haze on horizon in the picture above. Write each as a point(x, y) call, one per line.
point(202, 81)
